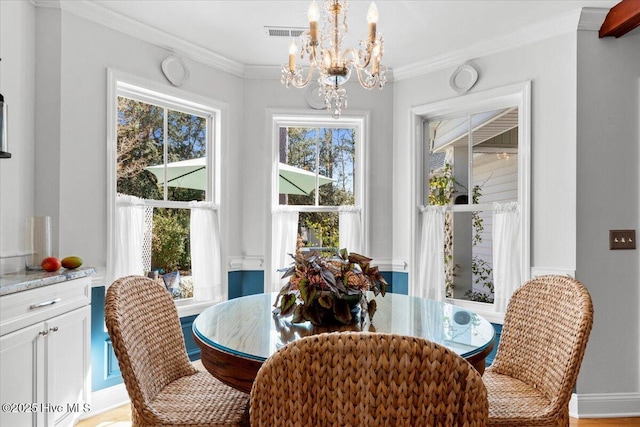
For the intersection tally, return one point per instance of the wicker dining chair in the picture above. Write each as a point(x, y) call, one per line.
point(164, 388)
point(367, 379)
point(545, 332)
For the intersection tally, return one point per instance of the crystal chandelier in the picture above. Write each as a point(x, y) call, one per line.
point(334, 65)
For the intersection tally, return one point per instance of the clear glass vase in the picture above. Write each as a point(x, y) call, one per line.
point(38, 241)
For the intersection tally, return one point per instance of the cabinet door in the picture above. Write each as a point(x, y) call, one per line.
point(68, 355)
point(21, 362)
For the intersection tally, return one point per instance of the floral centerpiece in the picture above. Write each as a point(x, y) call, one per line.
point(325, 289)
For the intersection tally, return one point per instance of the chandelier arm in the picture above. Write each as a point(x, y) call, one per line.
point(299, 82)
point(355, 58)
point(366, 83)
point(360, 68)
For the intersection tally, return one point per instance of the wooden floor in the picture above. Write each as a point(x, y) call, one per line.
point(121, 417)
point(601, 422)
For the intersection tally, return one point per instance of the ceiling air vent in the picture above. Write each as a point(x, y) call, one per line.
point(284, 31)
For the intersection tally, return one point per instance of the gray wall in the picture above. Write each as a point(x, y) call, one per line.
point(608, 185)
point(17, 85)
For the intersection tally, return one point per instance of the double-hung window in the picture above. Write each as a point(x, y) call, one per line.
point(317, 194)
point(163, 190)
point(473, 181)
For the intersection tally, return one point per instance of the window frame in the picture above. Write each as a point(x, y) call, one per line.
point(357, 120)
point(516, 95)
point(126, 85)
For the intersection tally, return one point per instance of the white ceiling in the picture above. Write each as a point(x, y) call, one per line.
point(414, 31)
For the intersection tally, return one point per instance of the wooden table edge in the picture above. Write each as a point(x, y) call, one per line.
point(232, 369)
point(478, 360)
point(239, 372)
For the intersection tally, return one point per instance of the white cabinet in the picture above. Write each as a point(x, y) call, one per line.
point(45, 366)
point(21, 353)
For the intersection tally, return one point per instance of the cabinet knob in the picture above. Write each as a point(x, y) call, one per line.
point(43, 333)
point(54, 329)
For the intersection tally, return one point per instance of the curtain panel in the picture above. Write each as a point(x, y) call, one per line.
point(350, 229)
point(507, 276)
point(206, 263)
point(430, 282)
point(129, 238)
point(285, 238)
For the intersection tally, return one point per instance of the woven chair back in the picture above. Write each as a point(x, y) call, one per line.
point(367, 379)
point(145, 331)
point(544, 336)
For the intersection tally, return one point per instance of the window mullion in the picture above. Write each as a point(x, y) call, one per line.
point(317, 192)
point(165, 151)
point(311, 208)
point(470, 162)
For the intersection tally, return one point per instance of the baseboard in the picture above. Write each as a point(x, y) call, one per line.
point(107, 399)
point(604, 405)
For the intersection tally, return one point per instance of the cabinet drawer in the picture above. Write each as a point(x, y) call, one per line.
point(35, 305)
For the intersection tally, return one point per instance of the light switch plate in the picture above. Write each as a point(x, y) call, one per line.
point(622, 239)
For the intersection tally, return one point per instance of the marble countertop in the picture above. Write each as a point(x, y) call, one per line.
point(24, 280)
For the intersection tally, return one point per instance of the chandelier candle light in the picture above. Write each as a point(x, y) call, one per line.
point(334, 65)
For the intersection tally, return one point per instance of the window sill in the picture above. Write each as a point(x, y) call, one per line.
point(482, 308)
point(189, 307)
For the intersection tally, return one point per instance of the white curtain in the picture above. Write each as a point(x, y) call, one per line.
point(285, 238)
point(350, 229)
point(430, 282)
point(205, 252)
point(129, 237)
point(507, 276)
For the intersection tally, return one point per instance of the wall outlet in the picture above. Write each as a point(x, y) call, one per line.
point(622, 239)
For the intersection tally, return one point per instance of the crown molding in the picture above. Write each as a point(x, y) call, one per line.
point(46, 4)
point(591, 18)
point(585, 19)
point(562, 24)
point(93, 12)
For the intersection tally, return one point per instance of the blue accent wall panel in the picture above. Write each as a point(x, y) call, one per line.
point(104, 365)
point(250, 282)
point(492, 355)
point(113, 370)
point(398, 282)
point(192, 348)
point(243, 283)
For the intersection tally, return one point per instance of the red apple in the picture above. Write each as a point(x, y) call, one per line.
point(51, 264)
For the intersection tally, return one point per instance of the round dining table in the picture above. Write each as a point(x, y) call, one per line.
point(236, 336)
